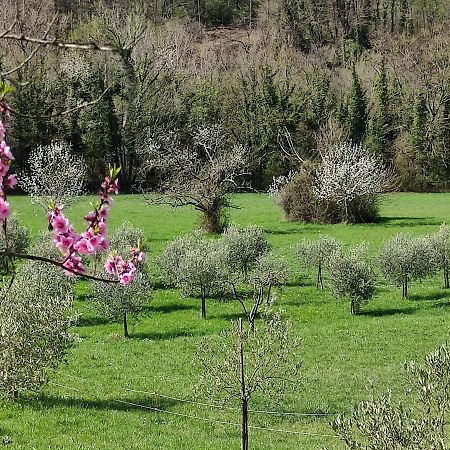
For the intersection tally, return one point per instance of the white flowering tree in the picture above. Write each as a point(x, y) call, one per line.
point(350, 173)
point(202, 176)
point(54, 173)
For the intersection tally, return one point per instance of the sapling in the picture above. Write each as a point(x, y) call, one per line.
point(244, 247)
point(316, 254)
point(243, 361)
point(195, 265)
point(405, 257)
point(116, 301)
point(16, 240)
point(351, 276)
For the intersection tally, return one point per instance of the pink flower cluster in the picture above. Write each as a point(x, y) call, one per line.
point(91, 241)
point(6, 181)
point(125, 270)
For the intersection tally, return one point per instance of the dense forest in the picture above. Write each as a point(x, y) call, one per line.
point(281, 78)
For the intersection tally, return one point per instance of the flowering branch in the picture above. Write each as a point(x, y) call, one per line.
point(71, 244)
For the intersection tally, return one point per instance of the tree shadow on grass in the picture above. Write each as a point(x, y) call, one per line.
point(166, 335)
point(406, 221)
point(149, 404)
point(388, 312)
point(431, 296)
point(169, 307)
point(91, 321)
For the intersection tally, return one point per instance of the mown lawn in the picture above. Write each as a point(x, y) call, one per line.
point(87, 405)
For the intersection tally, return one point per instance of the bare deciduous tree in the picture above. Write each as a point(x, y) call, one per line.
point(202, 176)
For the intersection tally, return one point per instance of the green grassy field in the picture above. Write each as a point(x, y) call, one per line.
point(89, 404)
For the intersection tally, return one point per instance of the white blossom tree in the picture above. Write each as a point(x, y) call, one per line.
point(54, 173)
point(348, 173)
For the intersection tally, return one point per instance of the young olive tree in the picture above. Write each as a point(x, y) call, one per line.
point(404, 258)
point(35, 316)
point(417, 423)
point(243, 361)
point(202, 176)
point(351, 276)
point(195, 265)
point(352, 178)
point(316, 254)
point(55, 174)
point(243, 247)
point(441, 243)
point(116, 301)
point(16, 240)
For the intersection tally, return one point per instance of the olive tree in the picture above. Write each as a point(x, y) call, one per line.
point(441, 243)
point(405, 257)
point(352, 178)
point(351, 276)
point(202, 175)
point(35, 316)
point(115, 301)
point(416, 423)
point(195, 265)
point(243, 247)
point(316, 254)
point(16, 240)
point(243, 361)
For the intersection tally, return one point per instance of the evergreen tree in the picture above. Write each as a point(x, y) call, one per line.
point(418, 133)
point(357, 109)
point(381, 134)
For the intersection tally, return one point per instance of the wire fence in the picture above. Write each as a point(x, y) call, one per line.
point(197, 404)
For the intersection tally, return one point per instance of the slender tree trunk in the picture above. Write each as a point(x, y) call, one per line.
point(405, 288)
point(354, 307)
point(125, 325)
point(244, 399)
point(203, 302)
point(446, 278)
point(319, 277)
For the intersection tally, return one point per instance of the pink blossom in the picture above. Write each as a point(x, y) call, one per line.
point(60, 224)
point(4, 167)
point(6, 151)
point(11, 181)
point(4, 209)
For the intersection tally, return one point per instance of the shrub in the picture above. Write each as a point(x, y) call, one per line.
point(126, 237)
point(441, 243)
point(34, 327)
point(316, 254)
point(351, 276)
point(404, 258)
point(416, 423)
point(17, 240)
point(296, 196)
point(243, 247)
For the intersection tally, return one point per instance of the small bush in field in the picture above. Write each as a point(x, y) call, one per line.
point(243, 247)
point(35, 316)
point(316, 254)
point(405, 257)
point(351, 276)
